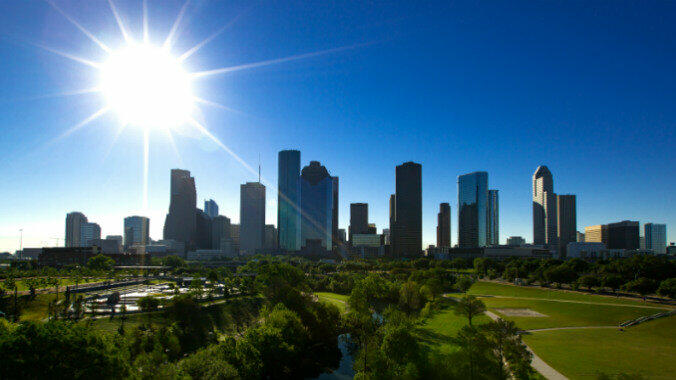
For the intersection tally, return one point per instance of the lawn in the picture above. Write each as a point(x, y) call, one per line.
point(335, 299)
point(438, 330)
point(647, 349)
point(63, 282)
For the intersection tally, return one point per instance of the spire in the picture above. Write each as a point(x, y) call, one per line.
point(259, 168)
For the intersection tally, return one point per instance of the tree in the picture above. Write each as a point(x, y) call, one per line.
point(463, 284)
point(410, 298)
point(478, 359)
point(173, 261)
point(612, 281)
point(506, 341)
point(100, 263)
point(642, 286)
point(469, 306)
point(589, 281)
point(148, 303)
point(668, 288)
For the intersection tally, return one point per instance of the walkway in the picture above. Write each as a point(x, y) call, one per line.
point(575, 301)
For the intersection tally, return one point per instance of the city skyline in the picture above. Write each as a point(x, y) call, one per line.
point(285, 106)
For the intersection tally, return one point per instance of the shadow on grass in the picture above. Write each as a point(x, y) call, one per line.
point(431, 337)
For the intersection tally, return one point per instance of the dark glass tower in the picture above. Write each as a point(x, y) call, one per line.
point(334, 213)
point(180, 222)
point(444, 225)
point(472, 209)
point(288, 203)
point(566, 221)
point(493, 231)
point(316, 189)
point(359, 219)
point(252, 217)
point(407, 232)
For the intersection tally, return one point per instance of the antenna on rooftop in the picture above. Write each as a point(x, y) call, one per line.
point(259, 168)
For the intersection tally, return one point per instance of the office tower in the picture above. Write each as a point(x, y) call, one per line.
point(234, 234)
point(252, 217)
point(88, 233)
point(359, 219)
point(623, 235)
point(444, 225)
point(136, 231)
point(579, 237)
point(211, 208)
point(387, 237)
point(203, 227)
point(656, 237)
point(316, 199)
point(566, 221)
point(118, 238)
point(516, 241)
point(393, 217)
point(334, 213)
point(407, 232)
point(493, 229)
point(288, 202)
point(220, 231)
point(270, 237)
point(596, 234)
point(544, 208)
point(342, 235)
point(73, 222)
point(180, 222)
point(472, 210)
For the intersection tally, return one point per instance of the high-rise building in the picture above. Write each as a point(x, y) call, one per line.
point(73, 222)
point(387, 237)
point(288, 203)
point(180, 222)
point(623, 235)
point(566, 221)
point(444, 225)
point(544, 208)
point(88, 233)
point(342, 235)
point(270, 237)
point(656, 237)
point(493, 229)
point(220, 231)
point(516, 241)
point(203, 229)
point(472, 210)
point(136, 231)
point(234, 234)
point(252, 217)
point(407, 231)
point(359, 219)
point(596, 234)
point(316, 189)
point(211, 208)
point(334, 213)
point(579, 237)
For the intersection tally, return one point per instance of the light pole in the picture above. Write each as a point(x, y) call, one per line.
point(21, 242)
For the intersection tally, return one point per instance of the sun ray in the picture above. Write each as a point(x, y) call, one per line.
point(145, 21)
point(84, 61)
point(80, 27)
point(275, 61)
point(120, 24)
point(172, 141)
point(83, 91)
point(81, 124)
point(118, 132)
point(146, 151)
point(217, 105)
point(168, 43)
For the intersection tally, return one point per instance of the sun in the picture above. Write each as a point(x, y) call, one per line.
point(147, 87)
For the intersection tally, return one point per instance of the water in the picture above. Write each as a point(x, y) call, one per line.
point(344, 370)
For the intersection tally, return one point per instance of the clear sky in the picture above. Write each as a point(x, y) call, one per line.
point(585, 87)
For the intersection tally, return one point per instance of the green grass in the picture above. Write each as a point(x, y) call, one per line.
point(132, 321)
point(36, 310)
point(647, 349)
point(339, 300)
point(491, 288)
point(438, 330)
point(63, 282)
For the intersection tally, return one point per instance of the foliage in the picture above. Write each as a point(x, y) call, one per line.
point(470, 306)
point(148, 303)
point(100, 263)
point(668, 288)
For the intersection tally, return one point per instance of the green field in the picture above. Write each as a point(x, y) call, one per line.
point(438, 330)
point(63, 282)
point(647, 349)
point(335, 299)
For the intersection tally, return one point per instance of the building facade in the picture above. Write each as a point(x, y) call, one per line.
point(288, 200)
point(211, 208)
point(656, 237)
point(359, 219)
point(516, 241)
point(473, 210)
point(317, 205)
point(544, 208)
point(74, 221)
point(270, 237)
point(252, 217)
point(203, 229)
point(335, 239)
point(407, 231)
point(444, 225)
point(566, 214)
point(180, 222)
point(88, 233)
point(623, 235)
point(493, 229)
point(220, 231)
point(136, 231)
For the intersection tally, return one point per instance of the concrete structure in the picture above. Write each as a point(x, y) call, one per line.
point(544, 208)
point(136, 230)
point(220, 231)
point(112, 246)
point(579, 237)
point(407, 229)
point(366, 240)
point(596, 234)
point(288, 200)
point(593, 250)
point(671, 249)
point(74, 221)
point(623, 235)
point(656, 237)
point(180, 222)
point(516, 241)
point(252, 217)
point(444, 225)
point(211, 208)
point(566, 223)
point(493, 229)
point(317, 206)
point(500, 252)
point(359, 219)
point(387, 236)
point(88, 233)
point(270, 237)
point(473, 210)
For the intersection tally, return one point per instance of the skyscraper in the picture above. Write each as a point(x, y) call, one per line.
point(656, 237)
point(211, 208)
point(444, 225)
point(493, 230)
point(359, 219)
point(220, 231)
point(180, 222)
point(566, 221)
point(334, 213)
point(252, 217)
point(73, 222)
point(407, 232)
point(202, 230)
point(136, 230)
point(288, 202)
point(472, 209)
point(270, 237)
point(316, 190)
point(544, 208)
point(88, 233)
point(623, 235)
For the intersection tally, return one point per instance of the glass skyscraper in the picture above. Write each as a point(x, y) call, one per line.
point(180, 222)
point(252, 217)
point(493, 232)
point(288, 202)
point(472, 209)
point(656, 237)
point(211, 208)
point(316, 189)
point(407, 229)
point(545, 229)
point(136, 231)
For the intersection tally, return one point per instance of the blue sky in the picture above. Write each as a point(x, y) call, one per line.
point(587, 88)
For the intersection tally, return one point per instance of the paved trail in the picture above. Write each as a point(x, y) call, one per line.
point(575, 301)
point(572, 328)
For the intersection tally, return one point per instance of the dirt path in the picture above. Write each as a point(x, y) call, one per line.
point(574, 301)
point(540, 365)
point(572, 328)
